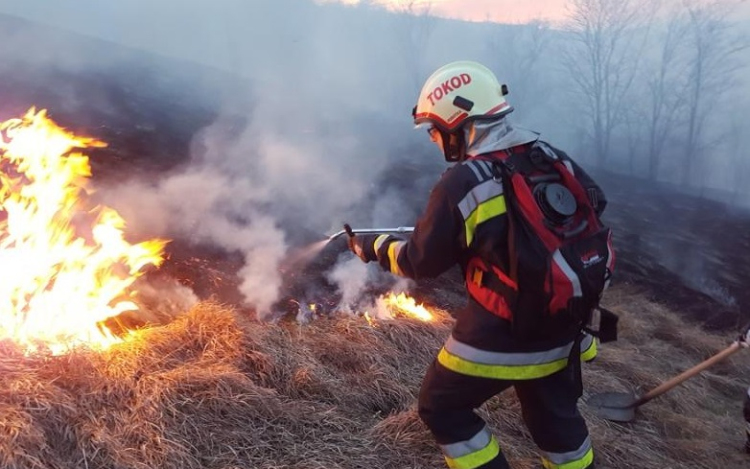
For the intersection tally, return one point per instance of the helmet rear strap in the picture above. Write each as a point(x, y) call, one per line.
point(454, 145)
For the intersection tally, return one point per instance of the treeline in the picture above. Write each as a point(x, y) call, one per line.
point(662, 89)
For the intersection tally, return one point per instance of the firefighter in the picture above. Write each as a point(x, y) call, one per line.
point(464, 110)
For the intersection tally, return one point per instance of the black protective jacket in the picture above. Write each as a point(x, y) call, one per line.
point(465, 217)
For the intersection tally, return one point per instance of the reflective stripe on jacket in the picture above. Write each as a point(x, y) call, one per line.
point(467, 360)
point(484, 202)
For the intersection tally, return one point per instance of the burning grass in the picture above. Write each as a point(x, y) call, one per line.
point(216, 390)
point(65, 266)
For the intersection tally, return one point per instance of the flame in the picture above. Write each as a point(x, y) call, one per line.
point(64, 264)
point(369, 319)
point(407, 306)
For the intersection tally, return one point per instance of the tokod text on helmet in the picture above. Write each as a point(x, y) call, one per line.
point(448, 86)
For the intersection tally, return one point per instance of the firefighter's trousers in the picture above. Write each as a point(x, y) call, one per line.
point(549, 405)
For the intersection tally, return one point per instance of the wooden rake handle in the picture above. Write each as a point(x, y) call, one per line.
point(687, 374)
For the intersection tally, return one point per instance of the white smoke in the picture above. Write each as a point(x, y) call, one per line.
point(352, 277)
point(246, 186)
point(207, 207)
point(356, 282)
point(162, 299)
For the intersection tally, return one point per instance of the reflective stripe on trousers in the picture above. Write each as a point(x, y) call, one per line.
point(578, 459)
point(477, 451)
point(467, 360)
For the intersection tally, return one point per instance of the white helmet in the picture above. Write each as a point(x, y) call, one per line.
point(458, 92)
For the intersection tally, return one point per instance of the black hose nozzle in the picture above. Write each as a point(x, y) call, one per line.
point(348, 230)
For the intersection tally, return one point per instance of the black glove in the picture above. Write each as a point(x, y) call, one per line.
point(364, 247)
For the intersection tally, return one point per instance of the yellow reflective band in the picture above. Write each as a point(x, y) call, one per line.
point(582, 463)
point(484, 211)
point(379, 242)
point(477, 458)
point(590, 353)
point(393, 250)
point(509, 372)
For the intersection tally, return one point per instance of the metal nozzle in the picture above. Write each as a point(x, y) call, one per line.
point(352, 232)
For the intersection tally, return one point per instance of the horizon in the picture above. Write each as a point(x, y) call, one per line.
point(499, 11)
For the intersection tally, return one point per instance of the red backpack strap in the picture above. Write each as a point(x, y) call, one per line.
point(490, 287)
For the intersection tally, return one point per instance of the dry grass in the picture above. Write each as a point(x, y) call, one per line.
point(212, 390)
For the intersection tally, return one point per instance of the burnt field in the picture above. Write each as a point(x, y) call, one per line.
point(685, 251)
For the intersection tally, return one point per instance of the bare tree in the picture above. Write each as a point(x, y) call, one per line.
point(739, 159)
point(417, 24)
point(603, 60)
point(712, 45)
point(519, 51)
point(664, 91)
point(632, 119)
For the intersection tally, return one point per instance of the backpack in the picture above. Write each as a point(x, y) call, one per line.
point(560, 256)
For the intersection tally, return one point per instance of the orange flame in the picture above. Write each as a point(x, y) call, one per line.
point(407, 306)
point(369, 319)
point(64, 265)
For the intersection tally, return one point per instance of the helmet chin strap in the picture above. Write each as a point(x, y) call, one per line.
point(454, 145)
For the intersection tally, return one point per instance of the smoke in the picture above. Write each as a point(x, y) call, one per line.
point(246, 187)
point(352, 277)
point(356, 282)
point(160, 300)
point(206, 207)
point(294, 151)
